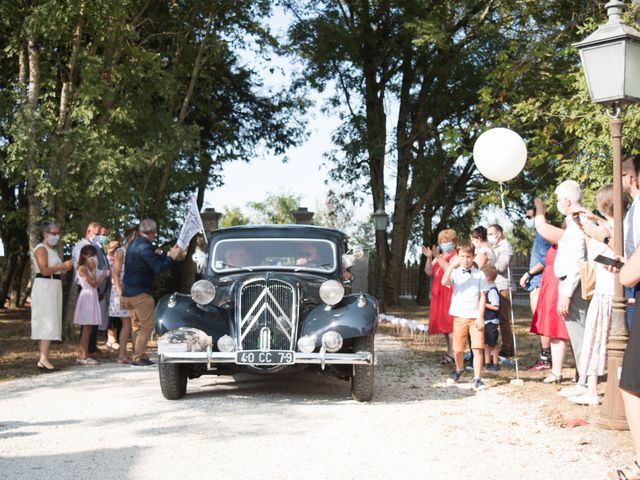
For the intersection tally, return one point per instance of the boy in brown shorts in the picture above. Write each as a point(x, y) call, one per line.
point(467, 308)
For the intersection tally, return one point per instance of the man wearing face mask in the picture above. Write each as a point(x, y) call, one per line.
point(504, 254)
point(141, 265)
point(93, 237)
point(572, 250)
point(530, 281)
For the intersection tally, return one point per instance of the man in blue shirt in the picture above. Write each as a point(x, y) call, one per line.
point(530, 281)
point(141, 265)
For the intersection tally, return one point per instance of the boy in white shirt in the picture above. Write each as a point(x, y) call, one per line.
point(467, 308)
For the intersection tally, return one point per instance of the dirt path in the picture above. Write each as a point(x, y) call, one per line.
point(110, 422)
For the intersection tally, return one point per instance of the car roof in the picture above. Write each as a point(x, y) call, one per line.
point(278, 231)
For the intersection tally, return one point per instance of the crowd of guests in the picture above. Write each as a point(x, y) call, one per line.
point(571, 290)
point(115, 284)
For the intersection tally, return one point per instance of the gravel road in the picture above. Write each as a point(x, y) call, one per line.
point(111, 422)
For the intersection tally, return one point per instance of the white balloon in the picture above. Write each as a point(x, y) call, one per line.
point(500, 154)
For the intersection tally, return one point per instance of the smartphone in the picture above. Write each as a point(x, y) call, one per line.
point(612, 262)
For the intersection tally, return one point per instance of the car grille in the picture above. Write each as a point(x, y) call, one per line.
point(267, 310)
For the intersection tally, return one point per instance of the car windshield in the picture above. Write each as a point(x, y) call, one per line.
point(282, 253)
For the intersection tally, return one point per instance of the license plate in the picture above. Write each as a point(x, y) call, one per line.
point(272, 357)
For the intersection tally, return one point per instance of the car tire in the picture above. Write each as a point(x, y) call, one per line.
point(363, 375)
point(173, 380)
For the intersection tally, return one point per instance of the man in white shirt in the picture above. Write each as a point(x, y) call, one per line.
point(572, 250)
point(504, 254)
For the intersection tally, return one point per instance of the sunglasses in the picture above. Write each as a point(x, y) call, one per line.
point(307, 254)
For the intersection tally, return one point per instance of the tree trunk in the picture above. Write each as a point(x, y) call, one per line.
point(428, 239)
point(184, 109)
point(8, 273)
point(33, 93)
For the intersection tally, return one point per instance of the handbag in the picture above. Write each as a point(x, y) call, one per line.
point(587, 280)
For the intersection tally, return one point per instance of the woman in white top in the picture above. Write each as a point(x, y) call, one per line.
point(46, 293)
point(484, 253)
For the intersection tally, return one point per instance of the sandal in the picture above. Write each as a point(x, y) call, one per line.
point(627, 473)
point(446, 359)
point(552, 378)
point(124, 361)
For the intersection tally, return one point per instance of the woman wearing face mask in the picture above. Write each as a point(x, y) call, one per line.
point(484, 253)
point(87, 311)
point(438, 258)
point(46, 293)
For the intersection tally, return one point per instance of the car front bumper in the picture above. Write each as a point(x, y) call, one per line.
point(319, 358)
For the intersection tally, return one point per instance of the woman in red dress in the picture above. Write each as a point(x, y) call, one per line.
point(546, 320)
point(438, 258)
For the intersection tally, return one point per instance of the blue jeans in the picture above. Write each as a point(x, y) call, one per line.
point(629, 292)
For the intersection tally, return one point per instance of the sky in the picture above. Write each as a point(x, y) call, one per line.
point(303, 174)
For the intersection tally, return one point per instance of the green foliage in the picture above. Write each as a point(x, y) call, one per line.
point(275, 209)
point(136, 107)
point(232, 217)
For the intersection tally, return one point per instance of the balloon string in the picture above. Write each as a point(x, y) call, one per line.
point(513, 326)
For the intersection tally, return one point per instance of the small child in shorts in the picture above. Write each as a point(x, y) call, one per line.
point(467, 310)
point(491, 321)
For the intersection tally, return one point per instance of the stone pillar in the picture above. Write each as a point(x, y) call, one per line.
point(360, 272)
point(302, 216)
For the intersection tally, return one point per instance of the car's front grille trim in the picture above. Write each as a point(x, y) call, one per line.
point(269, 303)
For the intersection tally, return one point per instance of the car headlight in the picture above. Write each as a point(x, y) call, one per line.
point(203, 292)
point(307, 344)
point(331, 292)
point(332, 341)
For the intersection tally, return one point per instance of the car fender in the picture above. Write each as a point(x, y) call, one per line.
point(180, 311)
point(355, 316)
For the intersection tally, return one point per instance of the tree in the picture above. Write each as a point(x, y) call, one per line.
point(450, 69)
point(114, 111)
point(275, 209)
point(232, 217)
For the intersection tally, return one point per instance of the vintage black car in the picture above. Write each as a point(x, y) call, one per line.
point(272, 298)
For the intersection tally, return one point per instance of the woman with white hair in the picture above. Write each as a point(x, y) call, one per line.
point(572, 251)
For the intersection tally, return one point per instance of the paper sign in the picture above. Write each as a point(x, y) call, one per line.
point(192, 225)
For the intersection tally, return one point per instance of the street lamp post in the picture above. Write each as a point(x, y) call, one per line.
point(611, 62)
point(380, 221)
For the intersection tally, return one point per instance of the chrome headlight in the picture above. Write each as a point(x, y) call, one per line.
point(307, 344)
point(331, 292)
point(203, 292)
point(332, 341)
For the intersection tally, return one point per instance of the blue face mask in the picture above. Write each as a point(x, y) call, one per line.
point(446, 247)
point(529, 222)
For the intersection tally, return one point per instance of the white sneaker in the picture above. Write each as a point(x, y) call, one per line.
point(585, 399)
point(574, 391)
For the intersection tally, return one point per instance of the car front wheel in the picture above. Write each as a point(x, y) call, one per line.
point(173, 380)
point(363, 375)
